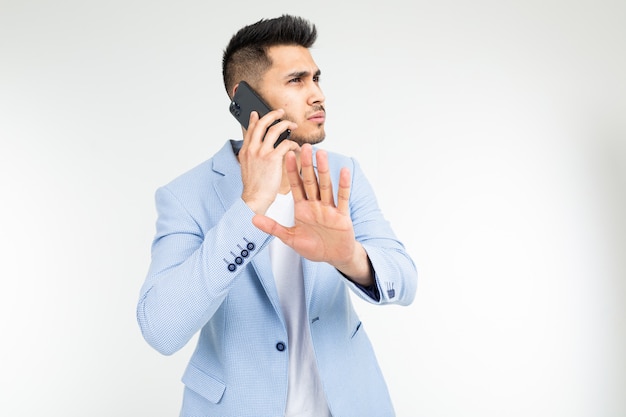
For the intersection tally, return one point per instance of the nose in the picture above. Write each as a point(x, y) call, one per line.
point(316, 96)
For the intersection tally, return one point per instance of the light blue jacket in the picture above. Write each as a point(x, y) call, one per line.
point(211, 272)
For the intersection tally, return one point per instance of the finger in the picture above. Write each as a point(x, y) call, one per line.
point(265, 224)
point(272, 227)
point(271, 117)
point(288, 145)
point(343, 193)
point(295, 181)
point(325, 183)
point(309, 179)
point(275, 130)
point(248, 137)
point(258, 126)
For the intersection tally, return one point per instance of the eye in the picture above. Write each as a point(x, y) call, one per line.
point(295, 80)
point(316, 78)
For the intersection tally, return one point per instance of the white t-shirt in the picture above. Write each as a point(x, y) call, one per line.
point(305, 397)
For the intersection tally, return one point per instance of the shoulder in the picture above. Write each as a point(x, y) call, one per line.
point(218, 166)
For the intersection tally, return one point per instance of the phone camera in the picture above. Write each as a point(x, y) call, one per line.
point(235, 109)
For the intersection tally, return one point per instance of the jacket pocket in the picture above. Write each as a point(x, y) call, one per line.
point(204, 384)
point(355, 330)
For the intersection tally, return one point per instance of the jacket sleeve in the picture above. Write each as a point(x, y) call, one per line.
point(394, 271)
point(192, 270)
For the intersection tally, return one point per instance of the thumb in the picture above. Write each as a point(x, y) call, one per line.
point(266, 224)
point(272, 227)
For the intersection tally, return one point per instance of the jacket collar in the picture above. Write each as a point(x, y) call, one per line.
point(225, 160)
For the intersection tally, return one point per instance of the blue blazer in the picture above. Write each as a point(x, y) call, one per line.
point(210, 272)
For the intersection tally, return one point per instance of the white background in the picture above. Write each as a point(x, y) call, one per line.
point(493, 132)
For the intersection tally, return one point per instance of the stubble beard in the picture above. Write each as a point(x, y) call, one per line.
point(313, 138)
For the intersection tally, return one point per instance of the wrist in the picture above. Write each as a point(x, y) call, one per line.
point(359, 268)
point(257, 205)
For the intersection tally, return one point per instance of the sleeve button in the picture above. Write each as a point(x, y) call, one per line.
point(280, 346)
point(232, 267)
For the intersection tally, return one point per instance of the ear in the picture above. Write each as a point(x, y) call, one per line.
point(234, 90)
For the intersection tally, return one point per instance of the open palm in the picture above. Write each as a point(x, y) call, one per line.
point(322, 229)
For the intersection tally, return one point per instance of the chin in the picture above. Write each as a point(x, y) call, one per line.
point(310, 139)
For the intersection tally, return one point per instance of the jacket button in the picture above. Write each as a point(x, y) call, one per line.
point(280, 346)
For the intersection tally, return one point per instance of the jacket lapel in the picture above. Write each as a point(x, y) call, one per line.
point(263, 267)
point(225, 163)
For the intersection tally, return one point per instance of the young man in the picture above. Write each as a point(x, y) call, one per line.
point(259, 247)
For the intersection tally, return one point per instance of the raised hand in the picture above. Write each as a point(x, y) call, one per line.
point(322, 230)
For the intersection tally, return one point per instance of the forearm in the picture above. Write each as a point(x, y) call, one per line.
point(177, 304)
point(189, 274)
point(394, 273)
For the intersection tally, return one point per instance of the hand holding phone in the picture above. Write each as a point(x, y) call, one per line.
point(245, 101)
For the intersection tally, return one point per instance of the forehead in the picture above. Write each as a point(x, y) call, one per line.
point(287, 59)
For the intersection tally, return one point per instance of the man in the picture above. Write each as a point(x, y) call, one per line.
point(255, 250)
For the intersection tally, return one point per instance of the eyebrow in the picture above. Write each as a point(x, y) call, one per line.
point(301, 74)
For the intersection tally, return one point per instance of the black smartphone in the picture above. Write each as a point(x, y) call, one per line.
point(245, 101)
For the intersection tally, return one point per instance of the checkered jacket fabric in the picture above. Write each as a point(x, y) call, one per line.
point(210, 273)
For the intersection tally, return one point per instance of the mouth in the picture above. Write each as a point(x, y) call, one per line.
point(318, 117)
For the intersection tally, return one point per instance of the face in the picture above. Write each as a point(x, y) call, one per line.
point(292, 84)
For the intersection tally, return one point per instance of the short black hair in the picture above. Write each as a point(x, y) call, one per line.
point(245, 57)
